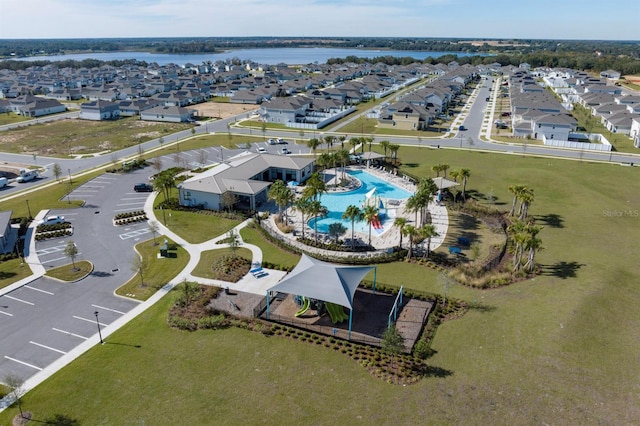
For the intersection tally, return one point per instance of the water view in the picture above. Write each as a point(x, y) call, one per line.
point(337, 203)
point(275, 56)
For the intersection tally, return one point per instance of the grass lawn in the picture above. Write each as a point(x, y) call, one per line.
point(197, 227)
point(203, 269)
point(12, 117)
point(69, 273)
point(559, 349)
point(156, 271)
point(270, 253)
point(13, 270)
point(75, 136)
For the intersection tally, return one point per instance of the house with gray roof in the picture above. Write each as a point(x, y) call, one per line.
point(99, 110)
point(33, 106)
point(169, 114)
point(7, 234)
point(246, 177)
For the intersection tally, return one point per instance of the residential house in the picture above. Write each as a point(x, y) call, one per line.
point(171, 114)
point(33, 106)
point(7, 234)
point(99, 110)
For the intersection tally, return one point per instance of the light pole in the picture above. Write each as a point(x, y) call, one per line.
point(28, 209)
point(69, 193)
point(98, 323)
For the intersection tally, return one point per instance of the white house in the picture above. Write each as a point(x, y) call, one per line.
point(99, 110)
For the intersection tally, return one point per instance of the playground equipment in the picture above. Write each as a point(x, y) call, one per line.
point(306, 302)
point(336, 312)
point(375, 222)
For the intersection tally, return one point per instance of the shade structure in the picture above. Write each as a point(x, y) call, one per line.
point(324, 281)
point(443, 183)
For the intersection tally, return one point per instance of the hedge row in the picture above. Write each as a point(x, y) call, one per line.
point(53, 234)
point(53, 227)
point(129, 214)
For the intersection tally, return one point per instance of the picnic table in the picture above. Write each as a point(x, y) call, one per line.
point(455, 250)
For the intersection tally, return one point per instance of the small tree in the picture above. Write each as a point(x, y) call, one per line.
point(337, 229)
point(153, 227)
point(202, 157)
point(57, 171)
point(392, 341)
point(156, 163)
point(229, 200)
point(15, 383)
point(138, 266)
point(234, 240)
point(71, 251)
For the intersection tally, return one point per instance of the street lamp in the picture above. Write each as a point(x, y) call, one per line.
point(28, 209)
point(69, 193)
point(98, 323)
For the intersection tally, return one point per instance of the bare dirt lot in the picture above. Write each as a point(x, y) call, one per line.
point(222, 109)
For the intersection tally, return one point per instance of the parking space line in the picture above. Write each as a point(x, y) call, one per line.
point(37, 289)
point(135, 198)
point(134, 234)
point(48, 347)
point(23, 363)
point(89, 320)
point(58, 258)
point(108, 309)
point(19, 300)
point(126, 210)
point(85, 190)
point(70, 334)
point(130, 204)
point(6, 313)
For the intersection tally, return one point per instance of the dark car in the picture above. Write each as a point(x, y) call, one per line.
point(462, 128)
point(142, 187)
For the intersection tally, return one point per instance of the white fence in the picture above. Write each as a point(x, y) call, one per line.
point(603, 144)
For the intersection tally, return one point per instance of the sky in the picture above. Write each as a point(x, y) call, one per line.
point(504, 19)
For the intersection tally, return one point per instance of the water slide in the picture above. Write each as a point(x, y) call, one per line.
point(376, 223)
point(306, 302)
point(336, 312)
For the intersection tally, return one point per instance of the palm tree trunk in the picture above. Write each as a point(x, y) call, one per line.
point(353, 243)
point(513, 206)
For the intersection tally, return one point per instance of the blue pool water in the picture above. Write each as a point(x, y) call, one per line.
point(337, 203)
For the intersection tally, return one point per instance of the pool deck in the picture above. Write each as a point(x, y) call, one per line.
point(390, 237)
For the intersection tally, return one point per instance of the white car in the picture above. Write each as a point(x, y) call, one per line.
point(51, 220)
point(271, 142)
point(285, 151)
point(262, 150)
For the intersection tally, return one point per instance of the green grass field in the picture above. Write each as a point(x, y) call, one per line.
point(558, 349)
point(13, 270)
point(69, 273)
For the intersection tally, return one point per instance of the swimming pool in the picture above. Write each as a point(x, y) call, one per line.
point(338, 202)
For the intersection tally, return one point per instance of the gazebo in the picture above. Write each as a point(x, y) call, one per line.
point(443, 183)
point(324, 281)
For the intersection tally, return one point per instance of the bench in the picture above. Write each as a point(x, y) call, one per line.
point(455, 250)
point(258, 272)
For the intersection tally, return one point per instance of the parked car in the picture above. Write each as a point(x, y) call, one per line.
point(142, 187)
point(51, 220)
point(27, 175)
point(462, 128)
point(261, 150)
point(285, 151)
point(3, 182)
point(271, 142)
point(281, 141)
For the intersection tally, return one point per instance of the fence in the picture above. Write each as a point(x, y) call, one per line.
point(604, 144)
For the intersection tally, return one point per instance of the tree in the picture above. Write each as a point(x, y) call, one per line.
point(164, 182)
point(202, 157)
point(303, 205)
point(314, 187)
point(329, 141)
point(342, 139)
point(392, 341)
point(336, 229)
point(370, 213)
point(15, 384)
point(437, 168)
point(427, 232)
point(153, 227)
point(394, 152)
point(313, 144)
point(139, 266)
point(385, 146)
point(57, 171)
point(533, 244)
point(354, 142)
point(177, 159)
point(281, 195)
point(516, 190)
point(518, 233)
point(454, 174)
point(234, 240)
point(316, 210)
point(71, 251)
point(445, 167)
point(400, 223)
point(353, 214)
point(263, 127)
point(324, 161)
point(228, 200)
point(156, 163)
point(343, 157)
point(526, 198)
point(410, 232)
point(465, 174)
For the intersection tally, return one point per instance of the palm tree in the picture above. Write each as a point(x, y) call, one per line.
point(516, 190)
point(336, 229)
point(454, 174)
point(354, 143)
point(410, 231)
point(370, 142)
point(533, 244)
point(316, 210)
point(400, 223)
point(437, 168)
point(281, 195)
point(342, 139)
point(324, 161)
point(314, 187)
point(343, 157)
point(445, 167)
point(465, 174)
point(164, 182)
point(329, 141)
point(394, 152)
point(303, 205)
point(385, 146)
point(428, 232)
point(369, 213)
point(519, 236)
point(526, 198)
point(353, 214)
point(313, 144)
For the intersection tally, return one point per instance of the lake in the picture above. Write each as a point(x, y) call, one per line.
point(290, 56)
